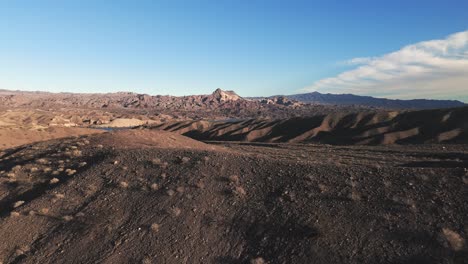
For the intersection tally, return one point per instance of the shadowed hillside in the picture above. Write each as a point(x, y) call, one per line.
point(427, 126)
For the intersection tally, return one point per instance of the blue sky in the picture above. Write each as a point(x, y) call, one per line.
point(193, 47)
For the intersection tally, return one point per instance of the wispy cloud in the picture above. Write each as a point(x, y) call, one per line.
point(428, 69)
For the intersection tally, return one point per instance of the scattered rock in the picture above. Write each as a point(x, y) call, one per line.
point(67, 218)
point(123, 184)
point(18, 204)
point(54, 181)
point(15, 214)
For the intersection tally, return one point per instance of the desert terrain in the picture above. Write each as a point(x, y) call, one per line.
point(128, 178)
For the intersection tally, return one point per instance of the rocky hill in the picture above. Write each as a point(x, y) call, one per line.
point(218, 105)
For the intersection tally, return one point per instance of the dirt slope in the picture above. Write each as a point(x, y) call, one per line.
point(107, 199)
point(428, 126)
point(13, 137)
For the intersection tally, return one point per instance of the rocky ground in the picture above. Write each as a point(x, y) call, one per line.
point(144, 196)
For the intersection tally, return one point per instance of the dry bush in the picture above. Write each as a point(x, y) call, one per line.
point(67, 218)
point(465, 179)
point(156, 161)
point(123, 184)
point(80, 214)
point(258, 260)
point(146, 260)
point(160, 163)
point(44, 211)
point(200, 184)
point(184, 159)
point(19, 251)
point(155, 227)
point(175, 211)
point(454, 239)
point(355, 195)
point(170, 192)
point(57, 197)
point(323, 188)
point(154, 186)
point(234, 179)
point(180, 189)
point(74, 153)
point(387, 183)
point(239, 191)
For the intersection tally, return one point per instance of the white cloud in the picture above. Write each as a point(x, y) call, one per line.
point(428, 69)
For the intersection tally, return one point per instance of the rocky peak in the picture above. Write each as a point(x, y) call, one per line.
point(222, 96)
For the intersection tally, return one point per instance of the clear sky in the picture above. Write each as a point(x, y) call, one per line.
point(255, 47)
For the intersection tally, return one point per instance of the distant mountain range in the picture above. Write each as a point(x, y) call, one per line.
point(219, 101)
point(351, 99)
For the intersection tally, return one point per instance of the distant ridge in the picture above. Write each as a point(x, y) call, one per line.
point(351, 99)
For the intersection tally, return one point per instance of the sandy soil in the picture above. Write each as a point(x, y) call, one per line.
point(90, 200)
